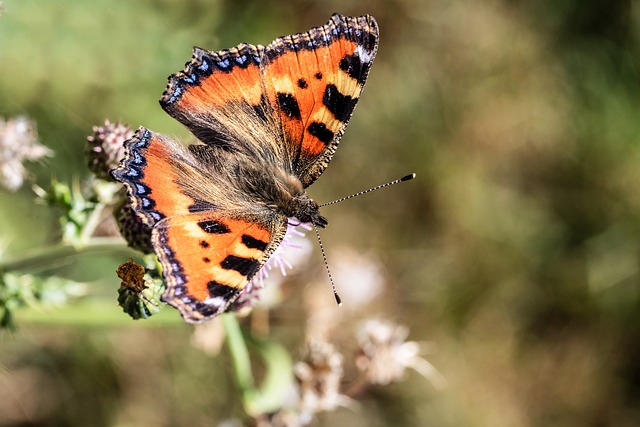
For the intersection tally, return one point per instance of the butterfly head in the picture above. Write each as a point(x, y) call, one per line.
point(285, 193)
point(305, 210)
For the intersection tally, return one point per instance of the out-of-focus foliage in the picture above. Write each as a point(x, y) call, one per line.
point(516, 252)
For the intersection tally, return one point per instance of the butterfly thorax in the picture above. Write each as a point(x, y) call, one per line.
point(279, 191)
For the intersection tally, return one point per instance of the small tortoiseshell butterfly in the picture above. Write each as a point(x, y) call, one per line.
point(270, 119)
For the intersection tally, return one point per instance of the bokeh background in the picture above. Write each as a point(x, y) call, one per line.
point(514, 256)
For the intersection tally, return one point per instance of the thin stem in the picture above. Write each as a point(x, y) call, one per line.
point(92, 222)
point(49, 256)
point(278, 369)
point(239, 356)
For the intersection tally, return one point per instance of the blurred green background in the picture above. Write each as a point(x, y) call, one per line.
point(515, 253)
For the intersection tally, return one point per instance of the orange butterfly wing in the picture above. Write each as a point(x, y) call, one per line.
point(207, 255)
point(199, 96)
point(314, 80)
point(208, 259)
point(304, 85)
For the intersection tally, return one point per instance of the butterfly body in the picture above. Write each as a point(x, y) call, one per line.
point(269, 119)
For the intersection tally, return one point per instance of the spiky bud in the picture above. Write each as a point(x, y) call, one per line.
point(105, 148)
point(132, 228)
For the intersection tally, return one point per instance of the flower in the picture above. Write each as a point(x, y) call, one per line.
point(318, 377)
point(18, 142)
point(132, 275)
point(385, 354)
point(105, 148)
point(359, 276)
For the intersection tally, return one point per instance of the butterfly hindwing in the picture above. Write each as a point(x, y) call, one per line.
point(208, 259)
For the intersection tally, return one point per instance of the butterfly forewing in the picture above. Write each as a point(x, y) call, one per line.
point(313, 81)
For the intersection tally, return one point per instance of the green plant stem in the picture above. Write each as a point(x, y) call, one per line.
point(278, 378)
point(239, 356)
point(278, 369)
point(92, 223)
point(49, 256)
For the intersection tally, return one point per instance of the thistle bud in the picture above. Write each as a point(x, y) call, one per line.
point(105, 148)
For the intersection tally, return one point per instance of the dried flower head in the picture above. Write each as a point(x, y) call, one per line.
point(132, 275)
point(139, 296)
point(385, 354)
point(105, 148)
point(318, 377)
point(360, 281)
point(132, 228)
point(18, 142)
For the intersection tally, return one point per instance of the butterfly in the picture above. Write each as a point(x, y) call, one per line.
point(270, 120)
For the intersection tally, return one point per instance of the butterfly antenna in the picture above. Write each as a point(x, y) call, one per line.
point(360, 193)
point(326, 265)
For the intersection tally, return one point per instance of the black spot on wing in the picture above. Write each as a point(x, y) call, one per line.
point(261, 110)
point(206, 310)
point(253, 243)
point(289, 105)
point(245, 266)
point(318, 75)
point(320, 131)
point(217, 289)
point(302, 84)
point(341, 106)
point(213, 227)
point(353, 66)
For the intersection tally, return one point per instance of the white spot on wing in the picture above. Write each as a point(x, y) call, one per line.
point(215, 302)
point(364, 56)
